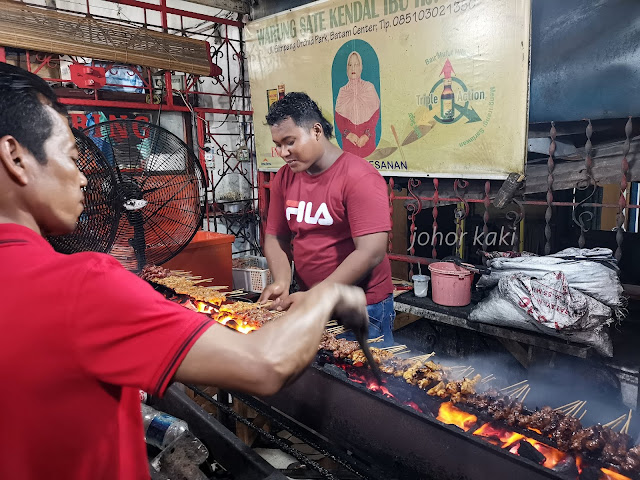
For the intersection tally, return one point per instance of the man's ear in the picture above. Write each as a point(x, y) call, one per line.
point(12, 159)
point(317, 131)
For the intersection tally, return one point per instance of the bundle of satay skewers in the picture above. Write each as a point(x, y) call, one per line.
point(458, 384)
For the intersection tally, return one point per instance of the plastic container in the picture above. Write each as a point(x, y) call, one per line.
point(160, 429)
point(420, 285)
point(253, 278)
point(207, 255)
point(450, 284)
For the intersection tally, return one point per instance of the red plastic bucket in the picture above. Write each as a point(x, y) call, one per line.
point(450, 284)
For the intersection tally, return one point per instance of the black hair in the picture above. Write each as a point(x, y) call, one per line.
point(301, 109)
point(23, 113)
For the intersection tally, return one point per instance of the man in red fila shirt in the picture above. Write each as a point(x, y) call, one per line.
point(335, 207)
point(81, 335)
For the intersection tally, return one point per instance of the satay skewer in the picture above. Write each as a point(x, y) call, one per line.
point(514, 385)
point(568, 405)
point(518, 392)
point(625, 427)
point(510, 391)
point(376, 340)
point(583, 414)
point(576, 408)
point(616, 422)
point(488, 378)
point(525, 394)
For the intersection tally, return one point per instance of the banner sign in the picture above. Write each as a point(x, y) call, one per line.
point(417, 87)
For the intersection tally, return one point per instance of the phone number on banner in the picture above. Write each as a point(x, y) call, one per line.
point(459, 6)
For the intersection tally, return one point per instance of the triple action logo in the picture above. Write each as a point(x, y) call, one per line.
point(303, 213)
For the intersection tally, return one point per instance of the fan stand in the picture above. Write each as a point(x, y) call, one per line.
point(130, 195)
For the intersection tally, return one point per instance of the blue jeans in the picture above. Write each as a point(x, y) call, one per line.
point(381, 318)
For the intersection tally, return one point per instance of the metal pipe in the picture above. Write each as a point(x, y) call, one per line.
point(177, 11)
point(411, 259)
point(147, 106)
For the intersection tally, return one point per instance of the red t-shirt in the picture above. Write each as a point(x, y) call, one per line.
point(80, 336)
point(325, 212)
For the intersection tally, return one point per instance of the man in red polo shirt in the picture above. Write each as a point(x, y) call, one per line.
point(81, 335)
point(335, 207)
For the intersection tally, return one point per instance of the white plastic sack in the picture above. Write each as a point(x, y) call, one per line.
point(552, 303)
point(499, 311)
point(596, 278)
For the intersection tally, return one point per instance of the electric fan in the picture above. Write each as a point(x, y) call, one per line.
point(98, 224)
point(160, 186)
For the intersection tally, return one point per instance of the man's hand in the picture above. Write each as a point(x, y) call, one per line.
point(351, 308)
point(279, 293)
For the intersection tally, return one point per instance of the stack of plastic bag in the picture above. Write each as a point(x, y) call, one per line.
point(574, 294)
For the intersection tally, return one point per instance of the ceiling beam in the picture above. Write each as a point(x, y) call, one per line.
point(240, 6)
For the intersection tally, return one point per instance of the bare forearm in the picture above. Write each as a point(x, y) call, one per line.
point(292, 348)
point(278, 253)
point(265, 360)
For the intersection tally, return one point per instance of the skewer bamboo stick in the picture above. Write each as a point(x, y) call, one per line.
point(455, 367)
point(614, 423)
point(488, 378)
point(525, 394)
point(573, 411)
point(567, 405)
point(376, 340)
point(394, 348)
point(569, 411)
point(583, 414)
point(422, 358)
point(516, 393)
point(514, 385)
point(512, 390)
point(625, 427)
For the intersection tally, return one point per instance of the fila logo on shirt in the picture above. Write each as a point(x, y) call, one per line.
point(303, 213)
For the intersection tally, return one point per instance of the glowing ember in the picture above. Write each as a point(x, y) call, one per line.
point(498, 436)
point(504, 438)
point(235, 323)
point(204, 308)
point(552, 455)
point(452, 416)
point(611, 475)
point(368, 382)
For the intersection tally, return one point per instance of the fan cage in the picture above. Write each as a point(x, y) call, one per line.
point(151, 164)
point(97, 226)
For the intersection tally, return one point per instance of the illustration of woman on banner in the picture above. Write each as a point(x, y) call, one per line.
point(357, 106)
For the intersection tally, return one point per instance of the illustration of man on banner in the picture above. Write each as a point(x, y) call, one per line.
point(357, 108)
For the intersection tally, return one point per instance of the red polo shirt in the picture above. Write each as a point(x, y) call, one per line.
point(80, 336)
point(325, 212)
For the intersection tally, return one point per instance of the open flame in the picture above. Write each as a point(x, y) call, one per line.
point(453, 416)
point(204, 308)
point(504, 438)
point(611, 475)
point(234, 322)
